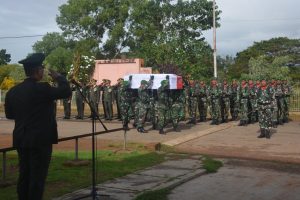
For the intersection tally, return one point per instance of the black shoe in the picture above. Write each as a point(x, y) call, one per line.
point(241, 123)
point(274, 124)
point(176, 129)
point(262, 133)
point(142, 130)
point(192, 121)
point(125, 127)
point(161, 131)
point(268, 134)
point(134, 125)
point(212, 122)
point(217, 122)
point(280, 122)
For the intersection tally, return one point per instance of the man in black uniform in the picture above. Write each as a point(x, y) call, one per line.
point(31, 105)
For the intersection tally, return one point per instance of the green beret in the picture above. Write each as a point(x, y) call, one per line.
point(164, 82)
point(34, 60)
point(143, 82)
point(125, 83)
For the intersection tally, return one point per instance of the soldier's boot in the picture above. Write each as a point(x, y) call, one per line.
point(242, 123)
point(213, 122)
point(142, 130)
point(125, 127)
point(280, 121)
point(176, 129)
point(226, 120)
point(262, 133)
point(192, 121)
point(268, 134)
point(161, 131)
point(134, 125)
point(274, 124)
point(217, 122)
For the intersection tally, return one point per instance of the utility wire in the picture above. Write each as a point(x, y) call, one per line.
point(17, 37)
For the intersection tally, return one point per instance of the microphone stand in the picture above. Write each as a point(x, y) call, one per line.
point(95, 116)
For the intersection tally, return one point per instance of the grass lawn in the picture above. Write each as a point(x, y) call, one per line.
point(63, 179)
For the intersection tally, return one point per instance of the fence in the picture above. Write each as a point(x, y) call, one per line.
point(76, 138)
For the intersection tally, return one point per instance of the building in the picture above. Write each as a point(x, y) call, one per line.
point(117, 68)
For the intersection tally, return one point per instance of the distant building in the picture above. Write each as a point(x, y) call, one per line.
point(117, 68)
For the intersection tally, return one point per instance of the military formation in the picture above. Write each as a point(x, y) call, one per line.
point(266, 102)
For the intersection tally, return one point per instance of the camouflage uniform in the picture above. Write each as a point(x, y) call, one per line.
point(264, 100)
point(162, 105)
point(279, 95)
point(225, 101)
point(80, 102)
point(108, 98)
point(125, 101)
point(177, 107)
point(202, 101)
point(94, 95)
point(234, 100)
point(244, 97)
point(287, 90)
point(215, 95)
point(142, 104)
point(192, 95)
point(274, 106)
point(252, 103)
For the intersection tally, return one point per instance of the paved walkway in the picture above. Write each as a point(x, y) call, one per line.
point(236, 182)
point(168, 174)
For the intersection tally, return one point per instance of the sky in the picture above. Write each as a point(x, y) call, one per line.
point(243, 22)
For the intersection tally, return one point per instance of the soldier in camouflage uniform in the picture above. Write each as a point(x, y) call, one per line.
point(287, 90)
point(94, 95)
point(117, 98)
point(192, 95)
point(279, 95)
point(142, 105)
point(244, 97)
point(177, 107)
point(215, 95)
point(163, 95)
point(80, 101)
point(252, 102)
point(202, 101)
point(234, 100)
point(274, 107)
point(257, 86)
point(108, 98)
point(225, 101)
point(125, 101)
point(264, 100)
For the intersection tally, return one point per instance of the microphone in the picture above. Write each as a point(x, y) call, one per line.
point(76, 83)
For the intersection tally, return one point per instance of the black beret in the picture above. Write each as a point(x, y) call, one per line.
point(33, 60)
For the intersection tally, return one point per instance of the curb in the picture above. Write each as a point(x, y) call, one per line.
point(171, 143)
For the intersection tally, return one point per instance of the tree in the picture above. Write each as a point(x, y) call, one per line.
point(60, 59)
point(49, 42)
point(4, 57)
point(262, 68)
point(164, 32)
point(272, 48)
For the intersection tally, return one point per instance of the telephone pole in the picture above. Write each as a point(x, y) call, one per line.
point(214, 38)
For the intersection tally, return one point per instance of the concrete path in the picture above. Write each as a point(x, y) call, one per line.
point(239, 182)
point(242, 142)
point(168, 174)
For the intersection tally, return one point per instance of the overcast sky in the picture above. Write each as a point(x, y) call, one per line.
point(242, 23)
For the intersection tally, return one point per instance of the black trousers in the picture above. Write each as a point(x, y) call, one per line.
point(33, 170)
